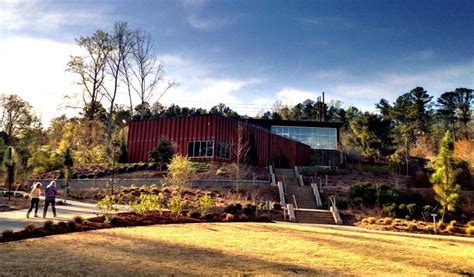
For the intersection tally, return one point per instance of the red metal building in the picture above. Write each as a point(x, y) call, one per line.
point(215, 138)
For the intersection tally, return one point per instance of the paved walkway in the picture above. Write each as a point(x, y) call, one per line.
point(16, 220)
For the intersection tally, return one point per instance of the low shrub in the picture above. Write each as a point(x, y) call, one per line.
point(365, 220)
point(176, 205)
point(30, 228)
point(470, 223)
point(7, 234)
point(208, 217)
point(470, 231)
point(238, 206)
point(248, 211)
point(411, 210)
point(205, 203)
point(453, 222)
point(362, 194)
point(62, 225)
point(371, 220)
point(430, 229)
point(263, 218)
point(244, 217)
point(48, 225)
point(411, 226)
point(115, 221)
point(388, 221)
point(231, 209)
point(107, 207)
point(390, 209)
point(229, 217)
point(78, 219)
point(342, 203)
point(71, 224)
point(194, 214)
point(148, 203)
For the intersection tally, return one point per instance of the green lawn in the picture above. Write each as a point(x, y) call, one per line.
point(218, 248)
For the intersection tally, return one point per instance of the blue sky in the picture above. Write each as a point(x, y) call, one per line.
point(249, 54)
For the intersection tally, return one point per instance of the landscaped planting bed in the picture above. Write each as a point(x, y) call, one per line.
point(78, 224)
point(414, 226)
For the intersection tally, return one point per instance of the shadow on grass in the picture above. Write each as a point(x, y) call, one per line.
point(370, 247)
point(103, 253)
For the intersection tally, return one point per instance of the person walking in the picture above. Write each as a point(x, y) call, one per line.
point(34, 199)
point(50, 198)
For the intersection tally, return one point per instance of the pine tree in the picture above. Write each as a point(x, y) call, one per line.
point(444, 177)
point(68, 163)
point(9, 165)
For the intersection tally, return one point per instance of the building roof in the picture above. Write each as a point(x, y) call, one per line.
point(268, 123)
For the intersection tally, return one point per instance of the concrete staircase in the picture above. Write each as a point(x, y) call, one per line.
point(307, 211)
point(314, 216)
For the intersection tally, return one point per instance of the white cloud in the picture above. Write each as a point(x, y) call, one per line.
point(34, 70)
point(392, 85)
point(293, 96)
point(209, 24)
point(35, 16)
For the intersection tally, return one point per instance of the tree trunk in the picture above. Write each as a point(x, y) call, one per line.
point(406, 153)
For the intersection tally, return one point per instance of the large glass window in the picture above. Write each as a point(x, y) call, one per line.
point(316, 137)
point(201, 148)
point(223, 150)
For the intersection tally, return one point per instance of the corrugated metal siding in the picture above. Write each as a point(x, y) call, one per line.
point(143, 136)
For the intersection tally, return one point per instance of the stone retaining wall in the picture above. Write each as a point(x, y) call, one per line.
point(103, 183)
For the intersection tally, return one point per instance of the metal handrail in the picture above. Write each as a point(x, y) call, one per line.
point(334, 210)
point(296, 208)
point(317, 196)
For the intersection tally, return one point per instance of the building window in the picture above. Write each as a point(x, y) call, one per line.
point(315, 137)
point(198, 149)
point(223, 150)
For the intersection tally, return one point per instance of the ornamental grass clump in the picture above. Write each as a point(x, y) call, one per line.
point(470, 231)
point(48, 225)
point(411, 226)
point(7, 234)
point(388, 221)
point(371, 220)
point(78, 219)
point(71, 224)
point(30, 228)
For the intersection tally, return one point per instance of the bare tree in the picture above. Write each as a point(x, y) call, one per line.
point(240, 151)
point(121, 45)
point(91, 69)
point(146, 69)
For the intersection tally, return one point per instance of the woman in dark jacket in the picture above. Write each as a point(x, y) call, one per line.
point(50, 198)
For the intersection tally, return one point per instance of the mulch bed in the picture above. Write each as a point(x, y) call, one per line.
point(120, 220)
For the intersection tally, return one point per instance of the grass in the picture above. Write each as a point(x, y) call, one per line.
point(237, 248)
